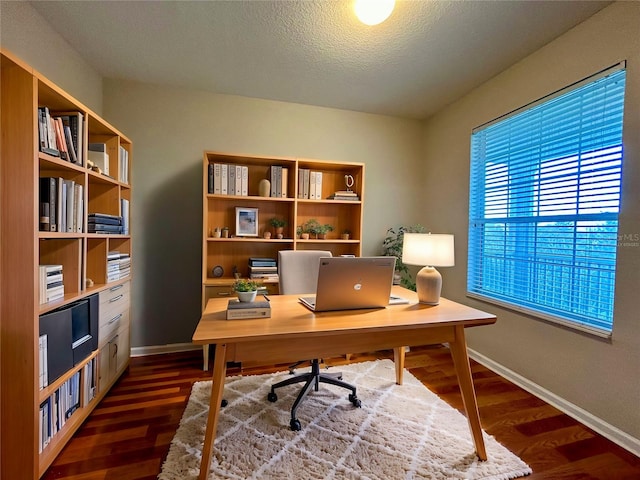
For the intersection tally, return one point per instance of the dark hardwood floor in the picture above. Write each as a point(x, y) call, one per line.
point(128, 434)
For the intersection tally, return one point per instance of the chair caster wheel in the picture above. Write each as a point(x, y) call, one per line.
point(355, 400)
point(295, 425)
point(224, 403)
point(272, 397)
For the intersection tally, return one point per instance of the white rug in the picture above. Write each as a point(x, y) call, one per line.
point(401, 432)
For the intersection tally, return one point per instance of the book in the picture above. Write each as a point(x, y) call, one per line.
point(273, 178)
point(79, 206)
point(217, 171)
point(62, 205)
point(278, 189)
point(264, 268)
point(123, 167)
point(60, 140)
point(48, 196)
point(262, 262)
point(300, 192)
point(240, 310)
point(238, 188)
point(318, 185)
point(224, 179)
point(245, 181)
point(305, 183)
point(69, 203)
point(105, 218)
point(210, 181)
point(48, 142)
point(124, 209)
point(349, 198)
point(312, 185)
point(284, 182)
point(102, 228)
point(75, 122)
point(231, 184)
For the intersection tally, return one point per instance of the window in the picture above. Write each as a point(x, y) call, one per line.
point(544, 203)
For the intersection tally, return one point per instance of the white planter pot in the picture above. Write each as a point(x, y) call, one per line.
point(247, 296)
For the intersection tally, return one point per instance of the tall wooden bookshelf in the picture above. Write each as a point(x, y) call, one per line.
point(83, 256)
point(219, 210)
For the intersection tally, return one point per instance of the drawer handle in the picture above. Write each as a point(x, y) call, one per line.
point(115, 299)
point(223, 294)
point(115, 319)
point(117, 287)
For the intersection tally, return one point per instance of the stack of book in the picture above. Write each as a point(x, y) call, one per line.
point(61, 205)
point(238, 310)
point(347, 195)
point(118, 265)
point(61, 135)
point(124, 265)
point(309, 184)
point(279, 180)
point(103, 223)
point(51, 286)
point(224, 179)
point(113, 266)
point(265, 269)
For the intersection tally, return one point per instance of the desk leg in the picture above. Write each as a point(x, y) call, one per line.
point(465, 380)
point(205, 357)
point(398, 360)
point(217, 386)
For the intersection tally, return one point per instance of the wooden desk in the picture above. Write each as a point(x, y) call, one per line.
point(293, 332)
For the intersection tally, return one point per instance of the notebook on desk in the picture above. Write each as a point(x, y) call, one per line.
point(348, 283)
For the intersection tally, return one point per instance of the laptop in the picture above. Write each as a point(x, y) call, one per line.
point(348, 283)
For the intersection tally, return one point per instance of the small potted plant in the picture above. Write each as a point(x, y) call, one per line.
point(300, 231)
point(278, 225)
point(311, 227)
point(322, 231)
point(246, 289)
point(345, 234)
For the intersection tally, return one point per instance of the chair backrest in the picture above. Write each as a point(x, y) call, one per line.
point(298, 270)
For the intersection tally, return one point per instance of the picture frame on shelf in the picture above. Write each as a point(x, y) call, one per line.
point(246, 222)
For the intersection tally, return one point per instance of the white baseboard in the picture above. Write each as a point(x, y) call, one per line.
point(614, 434)
point(159, 349)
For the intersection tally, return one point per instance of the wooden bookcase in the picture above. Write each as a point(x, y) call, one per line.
point(232, 253)
point(82, 255)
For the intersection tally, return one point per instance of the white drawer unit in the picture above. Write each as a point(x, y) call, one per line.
point(114, 311)
point(113, 334)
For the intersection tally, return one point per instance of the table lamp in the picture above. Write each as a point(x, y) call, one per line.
point(428, 250)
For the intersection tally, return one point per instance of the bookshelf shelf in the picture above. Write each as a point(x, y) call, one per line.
point(25, 174)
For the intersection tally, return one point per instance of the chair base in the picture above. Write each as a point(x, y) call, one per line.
point(313, 378)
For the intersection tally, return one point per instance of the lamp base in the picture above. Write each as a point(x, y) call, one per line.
point(429, 286)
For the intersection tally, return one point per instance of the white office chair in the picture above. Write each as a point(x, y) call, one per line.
point(298, 274)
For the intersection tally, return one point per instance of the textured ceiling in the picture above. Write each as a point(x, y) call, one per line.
point(426, 55)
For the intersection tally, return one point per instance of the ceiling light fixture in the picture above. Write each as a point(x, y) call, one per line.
point(373, 12)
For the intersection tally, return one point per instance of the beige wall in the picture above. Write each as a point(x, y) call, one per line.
point(170, 128)
point(26, 34)
point(600, 377)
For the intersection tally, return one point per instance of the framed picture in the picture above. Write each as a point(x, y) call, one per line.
point(246, 222)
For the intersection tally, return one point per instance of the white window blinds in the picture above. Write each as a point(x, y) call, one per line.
point(544, 201)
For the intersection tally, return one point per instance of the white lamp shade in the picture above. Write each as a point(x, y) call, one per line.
point(435, 250)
